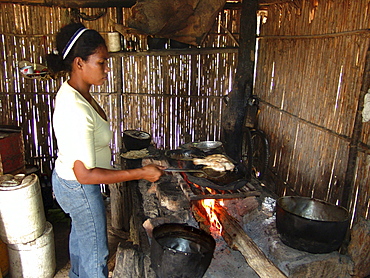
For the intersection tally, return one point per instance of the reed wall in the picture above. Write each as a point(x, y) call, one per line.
point(175, 95)
point(309, 75)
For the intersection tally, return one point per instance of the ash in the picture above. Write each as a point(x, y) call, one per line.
point(227, 262)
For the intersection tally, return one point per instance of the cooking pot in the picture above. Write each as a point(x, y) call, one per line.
point(136, 139)
point(180, 250)
point(311, 225)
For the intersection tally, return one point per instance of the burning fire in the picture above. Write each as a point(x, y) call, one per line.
point(209, 206)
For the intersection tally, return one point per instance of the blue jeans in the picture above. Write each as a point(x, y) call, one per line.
point(88, 241)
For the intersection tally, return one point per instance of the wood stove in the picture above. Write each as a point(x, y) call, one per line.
point(177, 198)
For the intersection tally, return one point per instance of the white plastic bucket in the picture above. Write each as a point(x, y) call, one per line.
point(33, 259)
point(22, 216)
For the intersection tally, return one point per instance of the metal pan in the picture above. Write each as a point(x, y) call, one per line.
point(205, 172)
point(183, 154)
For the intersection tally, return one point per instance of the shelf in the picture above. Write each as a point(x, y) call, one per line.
point(172, 52)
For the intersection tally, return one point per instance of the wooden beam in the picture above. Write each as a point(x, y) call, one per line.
point(233, 118)
point(75, 3)
point(118, 3)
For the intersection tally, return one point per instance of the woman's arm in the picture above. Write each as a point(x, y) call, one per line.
point(99, 175)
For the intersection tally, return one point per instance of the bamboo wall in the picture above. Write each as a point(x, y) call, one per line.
point(176, 97)
point(309, 74)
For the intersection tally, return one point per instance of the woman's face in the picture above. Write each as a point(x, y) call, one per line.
point(95, 69)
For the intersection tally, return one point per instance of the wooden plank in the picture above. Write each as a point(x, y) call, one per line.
point(75, 3)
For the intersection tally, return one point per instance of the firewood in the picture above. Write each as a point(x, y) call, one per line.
point(128, 261)
point(237, 239)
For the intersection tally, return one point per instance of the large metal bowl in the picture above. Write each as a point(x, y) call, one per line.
point(311, 225)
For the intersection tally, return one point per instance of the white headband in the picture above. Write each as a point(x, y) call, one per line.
point(72, 41)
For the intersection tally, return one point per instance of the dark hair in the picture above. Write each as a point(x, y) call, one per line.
point(85, 46)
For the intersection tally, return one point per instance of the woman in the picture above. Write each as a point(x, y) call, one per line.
point(83, 135)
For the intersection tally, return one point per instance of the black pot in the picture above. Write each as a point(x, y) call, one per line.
point(179, 250)
point(157, 43)
point(311, 225)
point(136, 139)
point(177, 44)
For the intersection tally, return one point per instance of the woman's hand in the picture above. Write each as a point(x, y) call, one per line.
point(152, 172)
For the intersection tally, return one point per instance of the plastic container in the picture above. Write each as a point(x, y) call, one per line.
point(21, 212)
point(35, 258)
point(12, 149)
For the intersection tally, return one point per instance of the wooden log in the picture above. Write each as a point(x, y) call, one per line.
point(237, 239)
point(200, 216)
point(128, 261)
point(137, 232)
point(121, 206)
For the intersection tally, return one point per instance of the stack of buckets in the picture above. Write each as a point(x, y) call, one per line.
point(23, 228)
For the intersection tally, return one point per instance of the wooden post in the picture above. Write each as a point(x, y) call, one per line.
point(233, 118)
point(121, 197)
point(356, 137)
point(121, 206)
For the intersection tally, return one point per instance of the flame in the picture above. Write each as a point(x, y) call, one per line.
point(209, 205)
